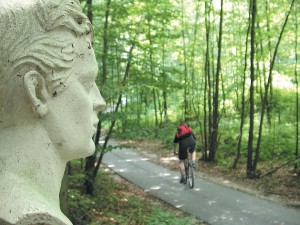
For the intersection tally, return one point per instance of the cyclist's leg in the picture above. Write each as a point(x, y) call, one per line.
point(182, 169)
point(193, 155)
point(182, 157)
point(182, 172)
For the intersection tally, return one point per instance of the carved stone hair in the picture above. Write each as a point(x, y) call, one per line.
point(32, 36)
point(25, 27)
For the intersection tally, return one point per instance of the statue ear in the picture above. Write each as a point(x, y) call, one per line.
point(35, 86)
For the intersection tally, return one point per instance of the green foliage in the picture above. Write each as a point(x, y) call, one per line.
point(164, 132)
point(168, 79)
point(79, 205)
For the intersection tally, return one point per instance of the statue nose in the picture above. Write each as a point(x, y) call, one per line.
point(98, 101)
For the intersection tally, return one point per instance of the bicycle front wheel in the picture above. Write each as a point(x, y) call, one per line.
point(191, 177)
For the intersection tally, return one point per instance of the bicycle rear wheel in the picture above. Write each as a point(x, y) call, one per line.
point(191, 177)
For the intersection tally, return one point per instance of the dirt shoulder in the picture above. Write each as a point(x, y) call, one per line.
point(282, 186)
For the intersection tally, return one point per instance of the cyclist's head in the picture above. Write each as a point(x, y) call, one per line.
point(179, 130)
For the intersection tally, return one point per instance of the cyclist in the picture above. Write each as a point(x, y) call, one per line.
point(187, 142)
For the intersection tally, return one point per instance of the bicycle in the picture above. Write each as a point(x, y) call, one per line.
point(189, 172)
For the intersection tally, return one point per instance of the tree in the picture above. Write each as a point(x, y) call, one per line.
point(215, 118)
point(206, 79)
point(252, 78)
point(297, 92)
point(90, 160)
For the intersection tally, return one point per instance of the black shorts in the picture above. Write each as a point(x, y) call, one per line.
point(183, 153)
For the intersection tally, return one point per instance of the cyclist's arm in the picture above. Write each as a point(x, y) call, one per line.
point(175, 142)
point(174, 148)
point(194, 135)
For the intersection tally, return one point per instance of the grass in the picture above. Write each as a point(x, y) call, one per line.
point(118, 202)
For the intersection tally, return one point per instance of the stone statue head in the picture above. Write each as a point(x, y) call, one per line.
point(49, 103)
point(47, 71)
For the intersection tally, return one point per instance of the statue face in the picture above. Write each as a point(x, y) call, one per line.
point(49, 70)
point(72, 117)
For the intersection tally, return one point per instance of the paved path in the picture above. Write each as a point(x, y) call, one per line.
point(213, 203)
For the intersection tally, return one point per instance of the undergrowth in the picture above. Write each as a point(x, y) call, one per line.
point(277, 147)
point(115, 203)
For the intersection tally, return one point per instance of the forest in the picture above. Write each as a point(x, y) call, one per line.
point(229, 68)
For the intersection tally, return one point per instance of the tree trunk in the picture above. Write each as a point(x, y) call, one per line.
point(164, 76)
point(96, 168)
point(155, 106)
point(269, 100)
point(152, 69)
point(215, 124)
point(206, 102)
point(252, 80)
point(194, 83)
point(105, 43)
point(90, 164)
point(91, 160)
point(297, 95)
point(185, 72)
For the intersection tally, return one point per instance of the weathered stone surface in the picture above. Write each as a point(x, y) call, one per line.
point(48, 104)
